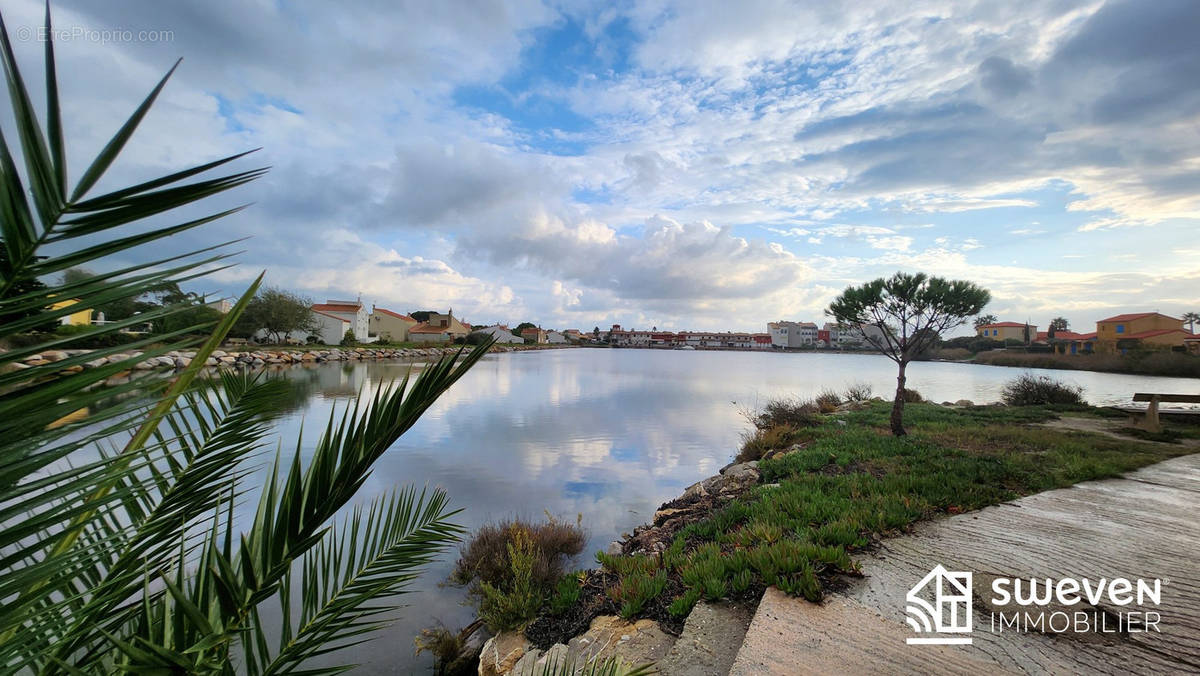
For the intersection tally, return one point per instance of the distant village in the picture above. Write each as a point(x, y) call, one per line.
point(334, 320)
point(1120, 333)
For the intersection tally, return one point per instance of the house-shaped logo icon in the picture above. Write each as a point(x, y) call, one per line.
point(940, 604)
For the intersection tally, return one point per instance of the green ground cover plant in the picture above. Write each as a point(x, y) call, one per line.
point(851, 484)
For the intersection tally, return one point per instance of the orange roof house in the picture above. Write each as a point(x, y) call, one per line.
point(1139, 330)
point(1008, 331)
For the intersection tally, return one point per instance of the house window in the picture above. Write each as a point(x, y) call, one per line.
point(1120, 328)
point(995, 332)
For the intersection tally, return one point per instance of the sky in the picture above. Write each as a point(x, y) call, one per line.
point(684, 165)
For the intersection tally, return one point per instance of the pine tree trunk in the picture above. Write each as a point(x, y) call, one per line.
point(898, 404)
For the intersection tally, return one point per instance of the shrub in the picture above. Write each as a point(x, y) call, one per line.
point(348, 338)
point(1029, 390)
point(442, 643)
point(912, 396)
point(756, 444)
point(517, 600)
point(484, 557)
point(827, 401)
point(859, 392)
point(790, 412)
point(513, 567)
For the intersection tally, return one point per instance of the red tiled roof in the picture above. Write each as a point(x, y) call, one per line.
point(397, 315)
point(335, 307)
point(1004, 325)
point(1130, 317)
point(340, 319)
point(1156, 332)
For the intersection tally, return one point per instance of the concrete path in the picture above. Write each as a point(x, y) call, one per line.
point(1146, 525)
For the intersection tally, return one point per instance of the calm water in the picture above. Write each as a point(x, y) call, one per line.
point(606, 434)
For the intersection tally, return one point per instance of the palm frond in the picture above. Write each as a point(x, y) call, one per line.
point(372, 555)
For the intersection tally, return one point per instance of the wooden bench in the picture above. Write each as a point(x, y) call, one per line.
point(1148, 419)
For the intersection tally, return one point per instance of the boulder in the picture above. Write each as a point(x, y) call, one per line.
point(964, 402)
point(54, 355)
point(633, 643)
point(502, 652)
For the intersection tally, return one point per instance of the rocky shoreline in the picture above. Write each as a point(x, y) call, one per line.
point(604, 636)
point(245, 358)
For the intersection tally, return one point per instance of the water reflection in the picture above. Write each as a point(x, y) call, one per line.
point(608, 434)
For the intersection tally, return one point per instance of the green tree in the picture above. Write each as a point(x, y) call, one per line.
point(194, 317)
point(278, 312)
point(121, 552)
point(1059, 324)
point(1191, 318)
point(524, 325)
point(422, 315)
point(981, 320)
point(909, 313)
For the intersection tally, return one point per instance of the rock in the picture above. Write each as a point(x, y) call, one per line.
point(637, 643)
point(72, 369)
point(217, 354)
point(36, 361)
point(212, 361)
point(964, 402)
point(732, 479)
point(143, 366)
point(614, 548)
point(841, 422)
point(502, 652)
point(54, 355)
point(95, 363)
point(527, 665)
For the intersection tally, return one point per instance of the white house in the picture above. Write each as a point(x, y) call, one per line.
point(352, 311)
point(502, 335)
point(329, 329)
point(555, 338)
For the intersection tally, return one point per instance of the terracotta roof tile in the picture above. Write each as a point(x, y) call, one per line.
point(397, 315)
point(1130, 317)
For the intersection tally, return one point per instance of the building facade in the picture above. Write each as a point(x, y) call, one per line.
point(353, 312)
point(390, 326)
point(1026, 333)
point(1140, 330)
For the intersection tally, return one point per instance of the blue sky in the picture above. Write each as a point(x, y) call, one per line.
point(703, 165)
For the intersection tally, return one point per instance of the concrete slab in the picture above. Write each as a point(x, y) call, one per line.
point(1146, 525)
point(709, 641)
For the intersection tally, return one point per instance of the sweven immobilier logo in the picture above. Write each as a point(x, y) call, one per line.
point(940, 606)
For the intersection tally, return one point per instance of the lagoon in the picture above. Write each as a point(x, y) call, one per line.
point(605, 435)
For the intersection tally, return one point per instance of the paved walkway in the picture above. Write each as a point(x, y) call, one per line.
point(1146, 525)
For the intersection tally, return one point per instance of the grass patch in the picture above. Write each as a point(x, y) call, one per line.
point(852, 484)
